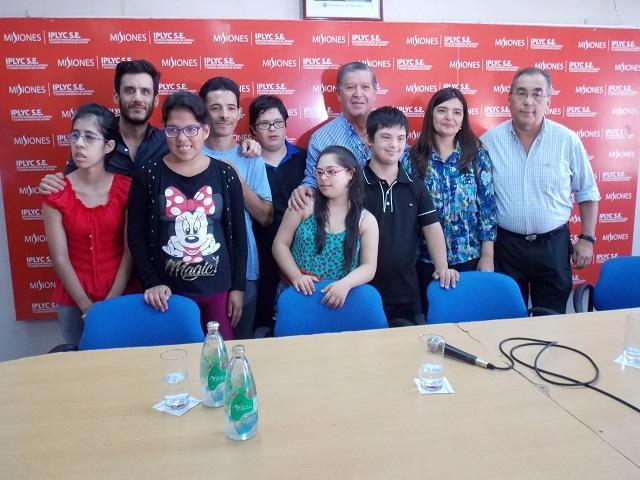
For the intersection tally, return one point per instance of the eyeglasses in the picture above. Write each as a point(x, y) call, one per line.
point(536, 95)
point(331, 172)
point(189, 131)
point(278, 124)
point(74, 137)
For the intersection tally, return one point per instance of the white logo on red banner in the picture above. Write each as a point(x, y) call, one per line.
point(24, 63)
point(223, 38)
point(67, 38)
point(15, 37)
point(171, 38)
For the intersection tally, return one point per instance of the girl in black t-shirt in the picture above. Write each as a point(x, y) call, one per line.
point(186, 226)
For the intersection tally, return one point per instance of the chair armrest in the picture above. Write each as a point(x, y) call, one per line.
point(65, 347)
point(541, 311)
point(578, 298)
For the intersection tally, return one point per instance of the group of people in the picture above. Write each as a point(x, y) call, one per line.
point(186, 210)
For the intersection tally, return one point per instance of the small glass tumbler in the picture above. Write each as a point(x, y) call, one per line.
point(174, 364)
point(431, 371)
point(631, 348)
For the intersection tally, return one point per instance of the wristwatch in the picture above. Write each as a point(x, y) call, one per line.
point(588, 238)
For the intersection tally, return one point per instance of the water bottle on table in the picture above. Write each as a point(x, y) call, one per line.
point(213, 367)
point(240, 398)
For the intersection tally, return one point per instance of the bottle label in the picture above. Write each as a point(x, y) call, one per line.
point(216, 376)
point(241, 405)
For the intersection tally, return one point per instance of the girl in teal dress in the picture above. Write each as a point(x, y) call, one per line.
point(334, 238)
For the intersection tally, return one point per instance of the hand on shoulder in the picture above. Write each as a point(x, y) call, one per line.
point(52, 183)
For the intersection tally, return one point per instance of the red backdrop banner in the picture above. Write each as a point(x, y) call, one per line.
point(51, 66)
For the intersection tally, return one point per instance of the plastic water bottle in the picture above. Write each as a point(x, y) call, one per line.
point(240, 398)
point(213, 367)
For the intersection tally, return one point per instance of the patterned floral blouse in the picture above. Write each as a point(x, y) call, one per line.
point(465, 203)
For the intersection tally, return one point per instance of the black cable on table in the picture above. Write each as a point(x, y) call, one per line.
point(547, 375)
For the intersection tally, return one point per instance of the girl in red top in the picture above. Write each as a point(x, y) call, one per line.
point(85, 223)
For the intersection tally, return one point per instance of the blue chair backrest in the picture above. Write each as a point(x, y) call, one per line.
point(618, 285)
point(127, 321)
point(477, 296)
point(304, 314)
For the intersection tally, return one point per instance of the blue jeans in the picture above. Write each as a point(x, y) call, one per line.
point(71, 323)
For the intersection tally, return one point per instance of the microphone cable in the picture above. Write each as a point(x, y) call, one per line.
point(549, 376)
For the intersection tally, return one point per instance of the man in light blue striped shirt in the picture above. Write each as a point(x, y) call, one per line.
point(537, 165)
point(356, 85)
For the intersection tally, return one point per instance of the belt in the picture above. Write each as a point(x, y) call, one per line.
point(532, 237)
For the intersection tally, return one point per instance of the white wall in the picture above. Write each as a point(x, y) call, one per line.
point(19, 339)
point(574, 12)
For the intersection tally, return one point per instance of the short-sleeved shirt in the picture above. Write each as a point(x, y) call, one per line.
point(194, 258)
point(95, 238)
point(401, 208)
point(153, 146)
point(255, 174)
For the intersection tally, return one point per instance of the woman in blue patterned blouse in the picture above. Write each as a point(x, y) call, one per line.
point(456, 169)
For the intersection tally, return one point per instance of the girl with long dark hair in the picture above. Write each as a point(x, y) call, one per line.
point(85, 223)
point(456, 169)
point(335, 238)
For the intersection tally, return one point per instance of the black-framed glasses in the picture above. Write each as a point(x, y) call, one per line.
point(88, 138)
point(266, 125)
point(189, 131)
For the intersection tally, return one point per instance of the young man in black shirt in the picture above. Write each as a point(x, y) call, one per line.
point(404, 210)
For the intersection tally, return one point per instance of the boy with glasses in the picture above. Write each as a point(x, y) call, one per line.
point(285, 165)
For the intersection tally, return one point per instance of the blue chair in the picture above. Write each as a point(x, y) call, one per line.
point(304, 314)
point(618, 286)
point(478, 296)
point(127, 321)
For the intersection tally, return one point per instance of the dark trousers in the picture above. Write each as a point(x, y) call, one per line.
point(425, 277)
point(540, 266)
point(403, 314)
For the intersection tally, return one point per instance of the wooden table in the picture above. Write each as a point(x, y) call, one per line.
point(331, 406)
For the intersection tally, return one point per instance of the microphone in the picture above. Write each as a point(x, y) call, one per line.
point(454, 352)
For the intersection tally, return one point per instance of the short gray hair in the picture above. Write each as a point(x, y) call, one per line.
point(532, 71)
point(355, 67)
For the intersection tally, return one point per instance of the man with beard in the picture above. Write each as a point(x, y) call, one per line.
point(136, 85)
point(135, 92)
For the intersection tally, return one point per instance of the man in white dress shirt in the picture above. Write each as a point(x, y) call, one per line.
point(537, 165)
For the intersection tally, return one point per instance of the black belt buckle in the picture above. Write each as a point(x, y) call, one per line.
point(530, 238)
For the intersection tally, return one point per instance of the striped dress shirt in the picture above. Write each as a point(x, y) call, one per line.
point(534, 191)
point(337, 132)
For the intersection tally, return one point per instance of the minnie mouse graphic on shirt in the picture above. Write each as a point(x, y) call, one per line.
point(192, 240)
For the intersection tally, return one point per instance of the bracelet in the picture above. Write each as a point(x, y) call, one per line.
point(588, 238)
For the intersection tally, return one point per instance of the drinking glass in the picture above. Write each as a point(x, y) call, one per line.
point(631, 348)
point(431, 371)
point(174, 364)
